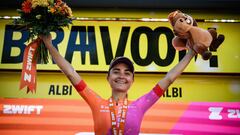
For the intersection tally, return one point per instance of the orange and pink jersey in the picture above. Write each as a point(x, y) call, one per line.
point(101, 113)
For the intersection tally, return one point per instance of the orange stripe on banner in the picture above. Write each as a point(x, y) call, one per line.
point(60, 109)
point(37, 132)
point(46, 121)
point(44, 127)
point(49, 105)
point(56, 108)
point(52, 115)
point(31, 101)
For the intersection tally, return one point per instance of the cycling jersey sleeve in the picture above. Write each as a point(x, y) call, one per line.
point(147, 100)
point(87, 94)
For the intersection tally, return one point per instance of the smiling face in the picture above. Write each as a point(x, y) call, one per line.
point(120, 78)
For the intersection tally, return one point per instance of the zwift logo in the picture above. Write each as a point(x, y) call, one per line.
point(22, 109)
point(219, 113)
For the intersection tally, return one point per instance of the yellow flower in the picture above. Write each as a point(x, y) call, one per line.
point(42, 3)
point(51, 1)
point(69, 11)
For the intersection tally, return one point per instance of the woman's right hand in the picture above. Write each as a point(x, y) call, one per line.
point(47, 39)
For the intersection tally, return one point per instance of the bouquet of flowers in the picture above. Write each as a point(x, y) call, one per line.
point(40, 17)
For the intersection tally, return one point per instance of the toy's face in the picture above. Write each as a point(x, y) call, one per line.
point(187, 19)
point(182, 21)
point(182, 24)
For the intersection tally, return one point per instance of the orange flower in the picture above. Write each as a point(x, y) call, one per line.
point(59, 2)
point(58, 9)
point(65, 10)
point(27, 6)
point(52, 9)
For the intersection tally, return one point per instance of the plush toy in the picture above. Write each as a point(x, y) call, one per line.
point(189, 35)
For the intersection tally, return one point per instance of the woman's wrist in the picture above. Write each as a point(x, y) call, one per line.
point(191, 52)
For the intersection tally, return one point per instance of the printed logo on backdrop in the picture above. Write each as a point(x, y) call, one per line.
point(89, 44)
point(22, 109)
point(60, 90)
point(219, 113)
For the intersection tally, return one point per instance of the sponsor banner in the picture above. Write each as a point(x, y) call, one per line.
point(59, 116)
point(187, 88)
point(209, 118)
point(91, 45)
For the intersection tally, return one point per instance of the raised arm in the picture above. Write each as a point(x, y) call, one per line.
point(176, 71)
point(62, 63)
